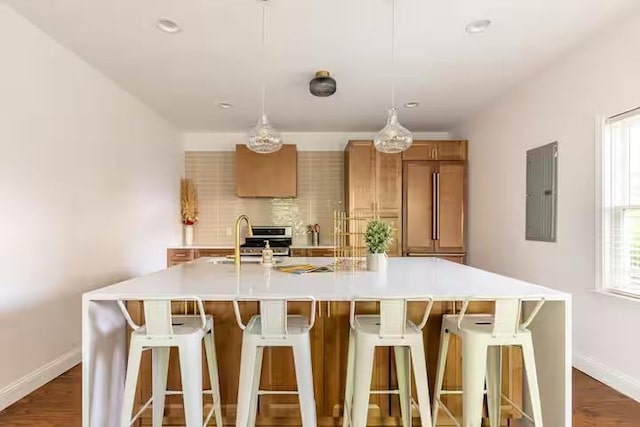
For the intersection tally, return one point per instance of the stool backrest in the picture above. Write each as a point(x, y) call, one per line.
point(157, 314)
point(273, 314)
point(507, 314)
point(393, 314)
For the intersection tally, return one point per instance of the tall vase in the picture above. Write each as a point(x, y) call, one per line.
point(377, 262)
point(187, 235)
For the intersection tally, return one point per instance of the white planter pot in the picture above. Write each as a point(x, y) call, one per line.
point(377, 262)
point(187, 236)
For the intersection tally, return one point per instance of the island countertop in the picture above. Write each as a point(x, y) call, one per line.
point(405, 277)
point(105, 332)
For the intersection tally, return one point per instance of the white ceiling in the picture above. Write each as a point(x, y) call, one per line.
point(216, 57)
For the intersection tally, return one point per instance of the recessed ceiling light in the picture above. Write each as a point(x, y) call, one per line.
point(168, 25)
point(412, 104)
point(225, 105)
point(477, 27)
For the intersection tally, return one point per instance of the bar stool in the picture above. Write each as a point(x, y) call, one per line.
point(390, 328)
point(483, 336)
point(161, 331)
point(273, 327)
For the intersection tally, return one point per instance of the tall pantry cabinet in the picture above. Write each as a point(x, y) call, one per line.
point(373, 182)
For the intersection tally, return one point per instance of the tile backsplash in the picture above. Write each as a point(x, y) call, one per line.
point(320, 193)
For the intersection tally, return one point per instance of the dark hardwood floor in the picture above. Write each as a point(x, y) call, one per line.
point(57, 404)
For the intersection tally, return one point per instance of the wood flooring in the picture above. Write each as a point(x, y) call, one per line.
point(58, 404)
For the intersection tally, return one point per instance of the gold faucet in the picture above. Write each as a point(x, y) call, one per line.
point(249, 233)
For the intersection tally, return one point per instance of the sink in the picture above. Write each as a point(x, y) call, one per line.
point(243, 260)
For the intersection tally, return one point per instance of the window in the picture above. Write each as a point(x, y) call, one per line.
point(621, 204)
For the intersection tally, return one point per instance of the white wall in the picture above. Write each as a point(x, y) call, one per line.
point(601, 78)
point(89, 195)
point(306, 141)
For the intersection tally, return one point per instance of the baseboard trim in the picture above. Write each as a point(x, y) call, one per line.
point(36, 379)
point(617, 380)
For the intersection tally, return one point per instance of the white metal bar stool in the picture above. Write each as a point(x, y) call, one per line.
point(273, 327)
point(161, 331)
point(483, 336)
point(390, 328)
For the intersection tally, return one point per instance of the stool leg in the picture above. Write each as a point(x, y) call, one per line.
point(304, 378)
point(442, 364)
point(214, 379)
point(362, 382)
point(160, 360)
point(403, 371)
point(191, 376)
point(532, 381)
point(133, 367)
point(348, 388)
point(245, 382)
point(255, 388)
point(474, 363)
point(422, 382)
point(494, 386)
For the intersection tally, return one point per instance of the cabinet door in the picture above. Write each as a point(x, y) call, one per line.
point(278, 373)
point(337, 328)
point(452, 150)
point(388, 183)
point(361, 173)
point(450, 207)
point(421, 150)
point(419, 179)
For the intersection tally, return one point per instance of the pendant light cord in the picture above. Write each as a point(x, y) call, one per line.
point(393, 53)
point(264, 56)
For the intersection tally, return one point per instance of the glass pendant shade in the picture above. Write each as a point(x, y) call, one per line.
point(393, 138)
point(263, 138)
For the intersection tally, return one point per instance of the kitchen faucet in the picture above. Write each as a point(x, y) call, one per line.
point(237, 242)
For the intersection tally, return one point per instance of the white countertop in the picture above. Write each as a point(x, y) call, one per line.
point(406, 277)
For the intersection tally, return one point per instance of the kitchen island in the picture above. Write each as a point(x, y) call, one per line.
point(105, 334)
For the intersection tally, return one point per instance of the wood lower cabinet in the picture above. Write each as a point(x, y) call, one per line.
point(312, 252)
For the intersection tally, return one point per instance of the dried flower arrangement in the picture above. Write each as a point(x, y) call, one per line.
point(188, 202)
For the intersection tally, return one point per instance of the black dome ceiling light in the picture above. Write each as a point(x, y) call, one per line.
point(322, 84)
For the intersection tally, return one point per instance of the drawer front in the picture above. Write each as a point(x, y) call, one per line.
point(320, 252)
point(299, 252)
point(179, 255)
point(217, 252)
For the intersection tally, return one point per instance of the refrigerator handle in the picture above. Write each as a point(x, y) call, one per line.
point(434, 210)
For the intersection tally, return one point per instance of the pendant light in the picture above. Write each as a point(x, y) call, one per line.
point(394, 137)
point(263, 138)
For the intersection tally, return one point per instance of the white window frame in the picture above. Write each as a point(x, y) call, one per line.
point(608, 216)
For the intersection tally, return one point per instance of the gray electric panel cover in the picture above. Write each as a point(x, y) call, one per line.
point(542, 193)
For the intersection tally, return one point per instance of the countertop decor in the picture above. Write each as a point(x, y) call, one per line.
point(188, 209)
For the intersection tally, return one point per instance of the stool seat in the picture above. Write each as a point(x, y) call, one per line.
point(296, 325)
point(370, 324)
point(184, 325)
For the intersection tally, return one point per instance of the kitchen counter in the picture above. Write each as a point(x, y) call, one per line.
point(202, 246)
point(104, 337)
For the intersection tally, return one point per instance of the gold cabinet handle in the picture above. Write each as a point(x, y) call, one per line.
point(320, 309)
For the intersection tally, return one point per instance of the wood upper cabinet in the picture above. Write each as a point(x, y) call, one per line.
point(266, 175)
point(360, 176)
point(434, 206)
point(436, 150)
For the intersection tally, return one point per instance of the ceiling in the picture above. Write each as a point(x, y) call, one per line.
point(217, 56)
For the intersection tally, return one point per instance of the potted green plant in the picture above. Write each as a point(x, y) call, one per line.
point(378, 237)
